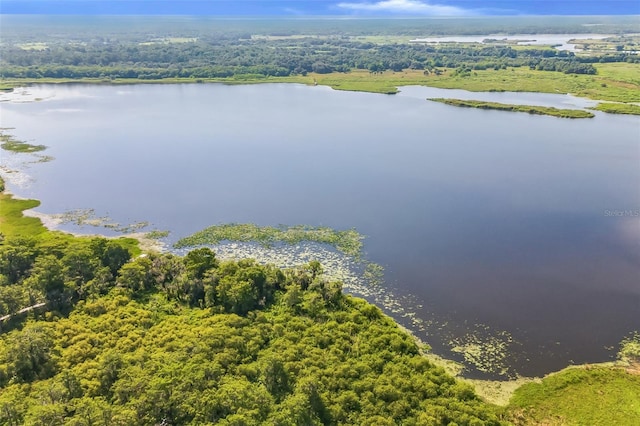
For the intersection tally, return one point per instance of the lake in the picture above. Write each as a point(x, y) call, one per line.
point(497, 229)
point(559, 41)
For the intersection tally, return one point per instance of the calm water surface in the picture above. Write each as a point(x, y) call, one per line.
point(487, 220)
point(559, 41)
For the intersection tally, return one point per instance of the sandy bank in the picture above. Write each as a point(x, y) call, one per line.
point(53, 222)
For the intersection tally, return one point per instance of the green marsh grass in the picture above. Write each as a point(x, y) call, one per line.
point(618, 108)
point(13, 223)
point(156, 235)
point(348, 242)
point(530, 109)
point(9, 143)
point(585, 395)
point(12, 220)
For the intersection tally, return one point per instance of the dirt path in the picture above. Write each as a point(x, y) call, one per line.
point(22, 311)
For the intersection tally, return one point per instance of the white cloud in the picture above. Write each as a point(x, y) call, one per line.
point(406, 6)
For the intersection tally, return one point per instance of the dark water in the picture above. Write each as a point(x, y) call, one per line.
point(507, 222)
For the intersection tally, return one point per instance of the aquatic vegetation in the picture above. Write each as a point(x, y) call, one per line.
point(486, 353)
point(77, 216)
point(374, 273)
point(87, 217)
point(335, 265)
point(41, 159)
point(10, 143)
point(348, 242)
point(156, 235)
point(630, 348)
point(132, 227)
point(530, 109)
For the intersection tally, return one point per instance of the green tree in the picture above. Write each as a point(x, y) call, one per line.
point(165, 268)
point(275, 378)
point(31, 353)
point(136, 275)
point(199, 261)
point(16, 258)
point(100, 284)
point(13, 405)
point(91, 412)
point(237, 296)
point(12, 299)
point(113, 256)
point(293, 296)
point(109, 366)
point(45, 415)
point(47, 278)
point(79, 265)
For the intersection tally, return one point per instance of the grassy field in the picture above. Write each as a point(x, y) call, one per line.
point(13, 223)
point(618, 108)
point(529, 109)
point(585, 395)
point(594, 396)
point(614, 82)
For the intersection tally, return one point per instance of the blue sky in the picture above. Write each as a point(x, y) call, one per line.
point(324, 7)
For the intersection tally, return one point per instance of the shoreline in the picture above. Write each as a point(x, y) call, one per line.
point(53, 221)
point(611, 87)
point(497, 392)
point(493, 391)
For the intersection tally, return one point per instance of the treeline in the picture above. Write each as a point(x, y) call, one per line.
point(58, 274)
point(567, 67)
point(67, 271)
point(224, 57)
point(163, 339)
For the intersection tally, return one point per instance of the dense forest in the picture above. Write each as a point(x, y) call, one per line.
point(221, 49)
point(162, 339)
point(228, 56)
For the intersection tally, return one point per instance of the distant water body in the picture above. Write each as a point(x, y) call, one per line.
point(494, 226)
point(559, 41)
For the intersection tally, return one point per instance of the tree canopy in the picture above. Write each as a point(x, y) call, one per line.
point(163, 339)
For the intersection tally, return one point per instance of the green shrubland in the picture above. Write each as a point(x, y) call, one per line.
point(191, 340)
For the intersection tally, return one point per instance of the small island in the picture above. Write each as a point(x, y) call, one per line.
point(9, 143)
point(531, 109)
